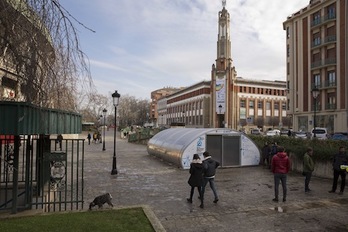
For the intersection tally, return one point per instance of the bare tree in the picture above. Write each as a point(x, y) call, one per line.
point(40, 49)
point(132, 111)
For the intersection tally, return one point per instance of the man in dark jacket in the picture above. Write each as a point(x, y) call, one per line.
point(339, 159)
point(280, 168)
point(209, 166)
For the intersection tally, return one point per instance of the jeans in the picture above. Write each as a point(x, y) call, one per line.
point(343, 180)
point(212, 186)
point(277, 178)
point(308, 176)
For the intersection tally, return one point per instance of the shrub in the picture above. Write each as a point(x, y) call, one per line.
point(323, 149)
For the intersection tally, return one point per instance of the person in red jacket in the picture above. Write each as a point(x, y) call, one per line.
point(280, 168)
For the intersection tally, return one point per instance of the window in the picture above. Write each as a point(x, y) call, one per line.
point(331, 77)
point(316, 39)
point(331, 12)
point(259, 104)
point(283, 105)
point(251, 104)
point(288, 32)
point(316, 81)
point(331, 101)
point(316, 18)
point(276, 105)
point(268, 105)
point(287, 50)
point(242, 103)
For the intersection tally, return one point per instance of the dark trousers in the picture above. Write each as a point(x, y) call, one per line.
point(199, 192)
point(308, 176)
point(212, 186)
point(335, 180)
point(279, 177)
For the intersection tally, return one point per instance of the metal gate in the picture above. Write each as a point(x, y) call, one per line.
point(40, 173)
point(225, 148)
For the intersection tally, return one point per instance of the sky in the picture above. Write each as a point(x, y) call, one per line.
point(143, 45)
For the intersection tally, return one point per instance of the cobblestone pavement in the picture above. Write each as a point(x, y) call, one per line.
point(245, 194)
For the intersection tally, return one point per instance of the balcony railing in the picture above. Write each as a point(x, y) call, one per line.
point(316, 22)
point(330, 83)
point(326, 18)
point(330, 106)
point(326, 62)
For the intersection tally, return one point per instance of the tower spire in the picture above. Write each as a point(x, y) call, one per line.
point(223, 3)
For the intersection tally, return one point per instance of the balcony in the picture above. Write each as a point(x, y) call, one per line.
point(318, 43)
point(330, 84)
point(323, 63)
point(330, 106)
point(321, 20)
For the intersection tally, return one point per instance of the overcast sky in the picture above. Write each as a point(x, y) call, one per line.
point(143, 45)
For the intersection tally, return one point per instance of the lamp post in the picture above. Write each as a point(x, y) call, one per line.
point(315, 94)
point(104, 115)
point(115, 97)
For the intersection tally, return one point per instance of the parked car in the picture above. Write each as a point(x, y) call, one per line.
point(255, 131)
point(285, 132)
point(273, 132)
point(319, 133)
point(340, 136)
point(301, 134)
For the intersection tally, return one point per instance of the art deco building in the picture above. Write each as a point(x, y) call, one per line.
point(240, 103)
point(316, 43)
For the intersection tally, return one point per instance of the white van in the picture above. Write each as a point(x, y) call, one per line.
point(320, 133)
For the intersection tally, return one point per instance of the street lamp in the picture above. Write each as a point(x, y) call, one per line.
point(104, 114)
point(115, 98)
point(315, 94)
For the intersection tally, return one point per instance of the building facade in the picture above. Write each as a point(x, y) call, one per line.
point(316, 42)
point(156, 109)
point(190, 106)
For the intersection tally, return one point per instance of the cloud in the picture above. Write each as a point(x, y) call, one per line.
point(141, 46)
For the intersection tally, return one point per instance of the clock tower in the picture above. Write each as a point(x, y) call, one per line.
point(223, 76)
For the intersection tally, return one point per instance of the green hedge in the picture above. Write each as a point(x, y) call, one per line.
point(323, 149)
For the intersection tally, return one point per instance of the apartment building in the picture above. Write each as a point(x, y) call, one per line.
point(316, 43)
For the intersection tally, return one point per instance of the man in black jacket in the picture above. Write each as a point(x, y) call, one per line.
point(209, 166)
point(339, 159)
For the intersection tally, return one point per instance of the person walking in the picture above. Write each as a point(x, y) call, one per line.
point(339, 159)
point(280, 168)
point(209, 170)
point(266, 150)
point(89, 138)
point(308, 168)
point(196, 178)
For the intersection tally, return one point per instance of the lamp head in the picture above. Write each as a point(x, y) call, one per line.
point(315, 92)
point(115, 97)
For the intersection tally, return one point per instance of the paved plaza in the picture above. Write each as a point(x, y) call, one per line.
point(245, 194)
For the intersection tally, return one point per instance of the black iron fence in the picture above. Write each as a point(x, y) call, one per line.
point(41, 173)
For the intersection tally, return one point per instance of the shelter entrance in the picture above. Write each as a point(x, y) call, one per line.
point(225, 149)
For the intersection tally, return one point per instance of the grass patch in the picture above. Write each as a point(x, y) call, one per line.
point(133, 219)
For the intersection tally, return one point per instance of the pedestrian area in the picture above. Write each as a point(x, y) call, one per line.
point(245, 194)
